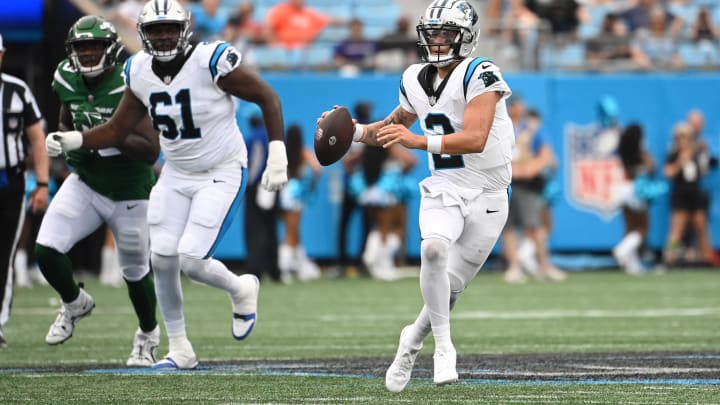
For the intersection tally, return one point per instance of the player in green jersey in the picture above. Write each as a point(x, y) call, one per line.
point(107, 186)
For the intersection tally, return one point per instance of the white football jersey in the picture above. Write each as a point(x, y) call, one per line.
point(196, 118)
point(440, 111)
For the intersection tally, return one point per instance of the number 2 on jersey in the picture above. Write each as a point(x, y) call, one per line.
point(443, 161)
point(188, 130)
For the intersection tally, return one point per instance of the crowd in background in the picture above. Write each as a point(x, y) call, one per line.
point(364, 35)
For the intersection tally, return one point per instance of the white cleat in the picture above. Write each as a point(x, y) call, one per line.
point(181, 356)
point(399, 372)
point(444, 364)
point(177, 360)
point(245, 306)
point(70, 313)
point(145, 347)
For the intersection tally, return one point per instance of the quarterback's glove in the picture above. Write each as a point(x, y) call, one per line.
point(58, 142)
point(275, 175)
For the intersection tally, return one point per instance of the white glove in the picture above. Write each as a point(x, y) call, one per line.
point(58, 142)
point(275, 175)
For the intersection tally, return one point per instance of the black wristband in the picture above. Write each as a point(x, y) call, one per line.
point(41, 184)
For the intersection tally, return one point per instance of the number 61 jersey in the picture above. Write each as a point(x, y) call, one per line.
point(440, 108)
point(196, 118)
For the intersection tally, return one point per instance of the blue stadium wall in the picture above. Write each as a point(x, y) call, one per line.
point(656, 101)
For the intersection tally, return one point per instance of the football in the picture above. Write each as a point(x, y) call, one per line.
point(333, 136)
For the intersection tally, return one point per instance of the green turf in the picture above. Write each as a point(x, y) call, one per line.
point(591, 312)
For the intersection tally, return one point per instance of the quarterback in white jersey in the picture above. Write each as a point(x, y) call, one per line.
point(460, 103)
point(187, 92)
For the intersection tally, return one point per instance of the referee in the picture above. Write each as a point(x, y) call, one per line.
point(20, 123)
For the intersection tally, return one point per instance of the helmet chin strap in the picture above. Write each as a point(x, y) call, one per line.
point(448, 58)
point(92, 71)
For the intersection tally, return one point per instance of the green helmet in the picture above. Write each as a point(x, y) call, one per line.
point(93, 28)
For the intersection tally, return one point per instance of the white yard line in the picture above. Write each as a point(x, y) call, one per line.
point(542, 314)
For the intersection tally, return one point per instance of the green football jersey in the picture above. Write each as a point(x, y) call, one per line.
point(107, 171)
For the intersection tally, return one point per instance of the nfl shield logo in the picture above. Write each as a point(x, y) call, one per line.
point(594, 175)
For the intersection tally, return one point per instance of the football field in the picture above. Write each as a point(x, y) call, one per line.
point(599, 337)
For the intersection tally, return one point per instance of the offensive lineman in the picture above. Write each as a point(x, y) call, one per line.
point(186, 89)
point(109, 185)
point(460, 102)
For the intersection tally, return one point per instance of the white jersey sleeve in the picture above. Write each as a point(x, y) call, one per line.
point(483, 76)
point(404, 102)
point(225, 58)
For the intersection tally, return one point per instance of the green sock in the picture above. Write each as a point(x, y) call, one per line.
point(142, 295)
point(57, 269)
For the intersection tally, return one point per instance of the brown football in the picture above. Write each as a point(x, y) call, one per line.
point(333, 136)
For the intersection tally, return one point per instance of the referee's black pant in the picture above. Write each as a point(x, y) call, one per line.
point(12, 216)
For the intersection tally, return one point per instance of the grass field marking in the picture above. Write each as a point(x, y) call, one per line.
point(646, 370)
point(49, 311)
point(589, 313)
point(602, 371)
point(543, 314)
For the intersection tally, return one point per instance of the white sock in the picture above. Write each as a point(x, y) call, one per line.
point(246, 285)
point(628, 245)
point(176, 329)
point(109, 260)
point(179, 343)
point(435, 288)
point(168, 290)
point(526, 254)
point(388, 251)
point(285, 258)
point(211, 272)
point(372, 248)
point(22, 276)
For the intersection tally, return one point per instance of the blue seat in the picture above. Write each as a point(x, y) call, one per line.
point(319, 56)
point(570, 56)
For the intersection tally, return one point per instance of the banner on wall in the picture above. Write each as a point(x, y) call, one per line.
point(594, 175)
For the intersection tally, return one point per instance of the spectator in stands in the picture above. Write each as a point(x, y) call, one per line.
point(654, 47)
point(292, 25)
point(519, 31)
point(611, 44)
point(27, 271)
point(638, 166)
point(351, 162)
point(260, 209)
point(127, 13)
point(397, 49)
point(209, 20)
point(561, 14)
point(705, 35)
point(381, 187)
point(242, 31)
point(303, 172)
point(703, 28)
point(532, 158)
point(355, 53)
point(696, 119)
point(640, 15)
point(685, 166)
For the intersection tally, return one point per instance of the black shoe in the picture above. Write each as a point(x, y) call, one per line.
point(3, 342)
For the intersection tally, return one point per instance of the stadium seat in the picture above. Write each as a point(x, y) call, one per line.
point(596, 13)
point(569, 56)
point(704, 54)
point(268, 57)
point(319, 56)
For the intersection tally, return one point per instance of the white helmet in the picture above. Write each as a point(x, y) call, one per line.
point(156, 12)
point(459, 21)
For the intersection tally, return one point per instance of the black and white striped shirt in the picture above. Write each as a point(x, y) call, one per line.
point(19, 111)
